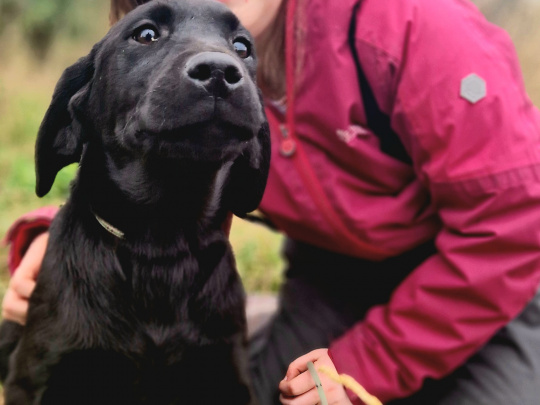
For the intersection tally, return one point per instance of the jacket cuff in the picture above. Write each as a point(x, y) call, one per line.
point(21, 234)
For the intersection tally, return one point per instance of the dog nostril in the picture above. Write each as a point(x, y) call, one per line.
point(200, 72)
point(232, 75)
point(215, 72)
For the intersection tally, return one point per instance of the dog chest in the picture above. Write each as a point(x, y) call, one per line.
point(105, 377)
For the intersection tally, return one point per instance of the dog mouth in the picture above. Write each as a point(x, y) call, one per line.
point(203, 141)
point(209, 114)
point(209, 127)
point(209, 133)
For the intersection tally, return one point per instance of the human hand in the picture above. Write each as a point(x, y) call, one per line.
point(23, 282)
point(298, 387)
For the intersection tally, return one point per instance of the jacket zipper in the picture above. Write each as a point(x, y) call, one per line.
point(290, 147)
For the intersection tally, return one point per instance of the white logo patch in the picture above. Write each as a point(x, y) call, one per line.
point(473, 88)
point(347, 135)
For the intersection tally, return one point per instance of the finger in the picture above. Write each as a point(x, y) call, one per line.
point(23, 287)
point(14, 308)
point(309, 398)
point(300, 364)
point(31, 261)
point(297, 385)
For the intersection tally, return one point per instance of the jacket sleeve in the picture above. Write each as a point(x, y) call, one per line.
point(23, 232)
point(480, 162)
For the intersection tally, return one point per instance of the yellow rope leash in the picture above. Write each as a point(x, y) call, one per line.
point(348, 382)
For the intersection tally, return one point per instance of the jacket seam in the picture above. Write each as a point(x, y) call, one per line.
point(471, 182)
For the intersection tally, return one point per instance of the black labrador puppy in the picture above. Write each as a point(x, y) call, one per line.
point(138, 300)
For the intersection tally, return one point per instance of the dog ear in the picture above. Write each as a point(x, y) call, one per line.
point(60, 136)
point(249, 174)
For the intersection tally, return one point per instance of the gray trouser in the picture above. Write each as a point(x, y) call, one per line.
point(324, 294)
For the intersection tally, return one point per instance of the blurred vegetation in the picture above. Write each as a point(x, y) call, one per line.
point(521, 19)
point(40, 38)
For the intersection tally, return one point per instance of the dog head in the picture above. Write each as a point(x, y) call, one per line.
point(173, 80)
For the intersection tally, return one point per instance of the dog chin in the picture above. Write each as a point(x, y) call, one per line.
point(196, 116)
point(207, 141)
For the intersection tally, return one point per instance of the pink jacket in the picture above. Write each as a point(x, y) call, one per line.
point(474, 184)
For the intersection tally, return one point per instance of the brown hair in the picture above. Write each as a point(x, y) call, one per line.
point(271, 72)
point(270, 48)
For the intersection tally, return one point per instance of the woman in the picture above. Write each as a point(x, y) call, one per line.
point(406, 176)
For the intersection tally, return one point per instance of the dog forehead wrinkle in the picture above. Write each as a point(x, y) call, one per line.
point(162, 13)
point(222, 25)
point(205, 8)
point(159, 12)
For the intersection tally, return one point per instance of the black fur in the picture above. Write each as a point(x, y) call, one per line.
point(171, 136)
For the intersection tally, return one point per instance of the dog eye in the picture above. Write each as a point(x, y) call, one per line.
point(242, 48)
point(146, 35)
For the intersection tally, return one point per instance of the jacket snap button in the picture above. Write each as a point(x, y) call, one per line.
point(287, 147)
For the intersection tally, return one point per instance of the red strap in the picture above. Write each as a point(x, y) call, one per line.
point(290, 62)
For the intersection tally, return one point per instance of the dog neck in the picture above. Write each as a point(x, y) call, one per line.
point(152, 195)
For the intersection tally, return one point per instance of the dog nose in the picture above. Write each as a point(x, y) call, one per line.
point(217, 72)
